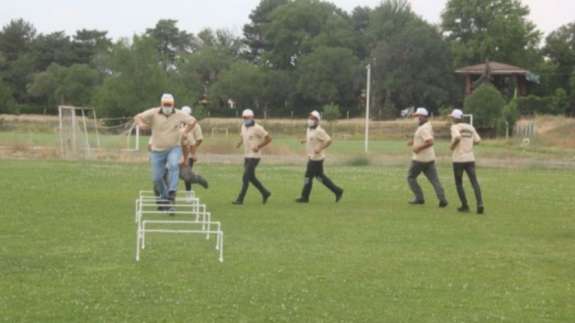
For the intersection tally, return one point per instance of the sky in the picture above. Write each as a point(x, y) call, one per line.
point(123, 18)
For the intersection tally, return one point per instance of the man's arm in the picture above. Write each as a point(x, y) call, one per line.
point(267, 140)
point(190, 126)
point(428, 143)
point(454, 143)
point(142, 120)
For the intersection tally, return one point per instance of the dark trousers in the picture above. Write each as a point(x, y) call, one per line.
point(188, 184)
point(315, 169)
point(429, 170)
point(250, 165)
point(469, 168)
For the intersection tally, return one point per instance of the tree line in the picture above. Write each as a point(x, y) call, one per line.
point(293, 56)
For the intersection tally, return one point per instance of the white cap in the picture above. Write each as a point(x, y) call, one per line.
point(456, 114)
point(316, 115)
point(247, 113)
point(421, 112)
point(167, 98)
point(187, 110)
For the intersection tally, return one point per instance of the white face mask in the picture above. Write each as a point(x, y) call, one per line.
point(167, 110)
point(311, 122)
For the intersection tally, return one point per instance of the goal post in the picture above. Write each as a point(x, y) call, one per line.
point(78, 131)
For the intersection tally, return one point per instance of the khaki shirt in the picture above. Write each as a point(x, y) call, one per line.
point(166, 132)
point(468, 137)
point(315, 139)
point(422, 134)
point(192, 138)
point(251, 138)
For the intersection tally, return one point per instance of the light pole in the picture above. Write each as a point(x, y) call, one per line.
point(367, 102)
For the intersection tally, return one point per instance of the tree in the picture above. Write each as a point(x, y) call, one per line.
point(135, 79)
point(326, 75)
point(54, 48)
point(411, 64)
point(171, 41)
point(242, 83)
point(16, 39)
point(498, 30)
point(254, 31)
point(6, 98)
point(297, 28)
point(88, 44)
point(486, 104)
point(72, 85)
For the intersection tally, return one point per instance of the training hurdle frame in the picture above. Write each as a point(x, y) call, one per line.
point(191, 207)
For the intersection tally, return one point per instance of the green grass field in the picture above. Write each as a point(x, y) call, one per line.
point(67, 242)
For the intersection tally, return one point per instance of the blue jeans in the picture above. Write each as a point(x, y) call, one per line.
point(160, 161)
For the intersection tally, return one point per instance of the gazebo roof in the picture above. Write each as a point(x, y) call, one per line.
point(495, 68)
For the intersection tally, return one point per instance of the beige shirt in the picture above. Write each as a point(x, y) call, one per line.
point(166, 132)
point(468, 137)
point(422, 134)
point(252, 137)
point(316, 139)
point(193, 137)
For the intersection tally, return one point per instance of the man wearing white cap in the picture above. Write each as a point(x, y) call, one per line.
point(165, 146)
point(254, 137)
point(190, 144)
point(423, 160)
point(317, 140)
point(463, 138)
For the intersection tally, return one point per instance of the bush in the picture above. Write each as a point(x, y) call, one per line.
point(532, 104)
point(331, 112)
point(486, 104)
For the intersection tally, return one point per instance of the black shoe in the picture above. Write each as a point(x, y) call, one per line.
point(480, 210)
point(443, 204)
point(203, 182)
point(236, 202)
point(265, 197)
point(302, 200)
point(162, 205)
point(416, 202)
point(463, 209)
point(338, 196)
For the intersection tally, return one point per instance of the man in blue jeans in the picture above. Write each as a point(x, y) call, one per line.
point(165, 150)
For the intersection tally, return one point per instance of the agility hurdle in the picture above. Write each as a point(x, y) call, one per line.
point(200, 222)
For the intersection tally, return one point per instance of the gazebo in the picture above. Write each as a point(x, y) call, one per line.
point(475, 74)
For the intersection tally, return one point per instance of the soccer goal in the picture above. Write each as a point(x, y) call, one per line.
point(78, 131)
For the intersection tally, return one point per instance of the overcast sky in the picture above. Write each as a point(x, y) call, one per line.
point(122, 18)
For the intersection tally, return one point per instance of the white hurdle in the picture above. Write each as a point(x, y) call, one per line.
point(200, 222)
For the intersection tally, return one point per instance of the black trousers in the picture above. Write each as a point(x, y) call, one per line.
point(469, 168)
point(315, 169)
point(250, 165)
point(189, 183)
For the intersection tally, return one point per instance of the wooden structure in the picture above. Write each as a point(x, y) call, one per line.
point(491, 71)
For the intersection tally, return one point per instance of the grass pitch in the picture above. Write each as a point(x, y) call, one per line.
point(67, 242)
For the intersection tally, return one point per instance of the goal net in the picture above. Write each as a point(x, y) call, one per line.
point(78, 132)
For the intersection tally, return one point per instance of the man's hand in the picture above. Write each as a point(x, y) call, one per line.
point(255, 149)
point(182, 161)
point(317, 151)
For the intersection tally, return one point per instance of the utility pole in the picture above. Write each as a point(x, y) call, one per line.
point(367, 103)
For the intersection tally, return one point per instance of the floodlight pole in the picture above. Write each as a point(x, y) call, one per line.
point(367, 102)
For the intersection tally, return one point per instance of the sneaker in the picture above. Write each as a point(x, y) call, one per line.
point(236, 202)
point(189, 197)
point(301, 200)
point(171, 210)
point(338, 196)
point(463, 209)
point(416, 202)
point(265, 197)
point(480, 210)
point(443, 204)
point(203, 182)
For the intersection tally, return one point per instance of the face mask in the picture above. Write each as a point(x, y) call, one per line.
point(167, 110)
point(311, 123)
point(249, 122)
